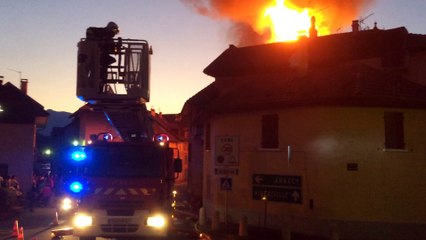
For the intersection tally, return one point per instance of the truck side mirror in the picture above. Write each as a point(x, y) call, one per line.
point(178, 165)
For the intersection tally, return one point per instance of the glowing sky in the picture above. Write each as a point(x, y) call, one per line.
point(38, 38)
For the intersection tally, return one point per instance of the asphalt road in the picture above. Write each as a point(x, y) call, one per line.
point(38, 225)
point(35, 225)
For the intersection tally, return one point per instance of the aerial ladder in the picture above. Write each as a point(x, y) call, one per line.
point(113, 77)
point(120, 189)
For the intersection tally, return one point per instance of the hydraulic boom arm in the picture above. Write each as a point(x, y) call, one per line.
point(113, 77)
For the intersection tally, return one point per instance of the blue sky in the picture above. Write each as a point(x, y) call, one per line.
point(39, 39)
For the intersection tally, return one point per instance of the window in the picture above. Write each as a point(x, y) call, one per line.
point(270, 131)
point(394, 130)
point(124, 161)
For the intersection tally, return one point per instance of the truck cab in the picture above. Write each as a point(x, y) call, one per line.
point(125, 190)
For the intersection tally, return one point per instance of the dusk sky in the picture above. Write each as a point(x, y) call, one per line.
point(39, 39)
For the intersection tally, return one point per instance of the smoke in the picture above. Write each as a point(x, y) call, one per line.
point(338, 13)
point(245, 14)
point(244, 35)
point(242, 14)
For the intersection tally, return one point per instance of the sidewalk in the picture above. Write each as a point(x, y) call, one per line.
point(231, 232)
point(10, 213)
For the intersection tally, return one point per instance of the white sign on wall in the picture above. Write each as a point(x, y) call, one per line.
point(226, 151)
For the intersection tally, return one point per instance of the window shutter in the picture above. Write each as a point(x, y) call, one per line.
point(270, 131)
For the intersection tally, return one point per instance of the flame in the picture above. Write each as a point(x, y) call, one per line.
point(260, 21)
point(287, 22)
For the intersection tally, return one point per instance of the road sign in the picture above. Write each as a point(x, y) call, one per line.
point(226, 171)
point(226, 184)
point(288, 195)
point(277, 180)
point(226, 151)
point(279, 188)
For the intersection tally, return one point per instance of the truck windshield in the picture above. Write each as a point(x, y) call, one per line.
point(123, 161)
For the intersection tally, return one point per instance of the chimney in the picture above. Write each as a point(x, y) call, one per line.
point(1, 80)
point(313, 31)
point(24, 85)
point(355, 26)
point(152, 111)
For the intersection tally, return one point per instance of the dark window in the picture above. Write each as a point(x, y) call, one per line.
point(394, 130)
point(124, 161)
point(270, 131)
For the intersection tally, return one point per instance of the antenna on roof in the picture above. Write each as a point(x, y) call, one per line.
point(20, 73)
point(361, 22)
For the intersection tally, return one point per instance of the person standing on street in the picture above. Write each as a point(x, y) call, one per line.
point(32, 196)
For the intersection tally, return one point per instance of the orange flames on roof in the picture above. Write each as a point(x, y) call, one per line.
point(287, 22)
point(259, 21)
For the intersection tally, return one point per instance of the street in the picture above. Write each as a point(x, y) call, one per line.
point(39, 224)
point(36, 225)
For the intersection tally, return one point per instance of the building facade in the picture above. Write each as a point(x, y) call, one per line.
point(20, 117)
point(322, 134)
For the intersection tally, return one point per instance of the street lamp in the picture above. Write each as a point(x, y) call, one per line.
point(47, 152)
point(265, 213)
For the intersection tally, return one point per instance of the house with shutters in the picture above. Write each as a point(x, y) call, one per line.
point(20, 117)
point(323, 134)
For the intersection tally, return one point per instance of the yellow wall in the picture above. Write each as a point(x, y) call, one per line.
point(387, 187)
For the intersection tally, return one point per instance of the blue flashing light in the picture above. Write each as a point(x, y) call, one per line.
point(107, 137)
point(78, 155)
point(162, 138)
point(76, 187)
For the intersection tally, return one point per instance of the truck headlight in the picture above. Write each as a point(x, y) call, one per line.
point(157, 221)
point(66, 204)
point(82, 220)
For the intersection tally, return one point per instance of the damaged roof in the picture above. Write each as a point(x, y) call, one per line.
point(317, 51)
point(320, 71)
point(343, 85)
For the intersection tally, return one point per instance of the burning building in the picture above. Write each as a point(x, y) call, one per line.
point(322, 133)
point(254, 22)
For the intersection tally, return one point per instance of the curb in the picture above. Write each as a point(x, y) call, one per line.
point(201, 234)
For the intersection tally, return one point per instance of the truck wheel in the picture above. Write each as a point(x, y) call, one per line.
point(87, 238)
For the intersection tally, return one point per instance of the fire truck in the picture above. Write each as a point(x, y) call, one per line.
point(124, 188)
